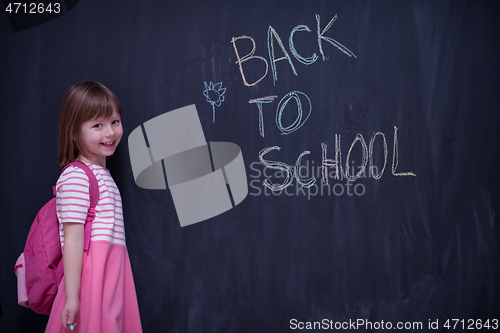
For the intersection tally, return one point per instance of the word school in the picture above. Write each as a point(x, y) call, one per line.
point(367, 152)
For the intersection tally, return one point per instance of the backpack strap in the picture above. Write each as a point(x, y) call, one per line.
point(94, 198)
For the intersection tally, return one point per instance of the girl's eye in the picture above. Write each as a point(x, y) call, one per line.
point(97, 125)
point(116, 122)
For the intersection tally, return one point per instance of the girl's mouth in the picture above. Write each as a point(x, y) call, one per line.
point(108, 143)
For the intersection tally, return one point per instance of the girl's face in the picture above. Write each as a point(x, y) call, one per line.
point(99, 138)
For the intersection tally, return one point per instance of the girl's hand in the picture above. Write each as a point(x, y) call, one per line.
point(69, 314)
point(72, 260)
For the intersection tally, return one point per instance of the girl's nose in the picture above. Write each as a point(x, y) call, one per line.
point(110, 131)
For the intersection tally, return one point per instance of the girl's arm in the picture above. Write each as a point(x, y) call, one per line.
point(72, 261)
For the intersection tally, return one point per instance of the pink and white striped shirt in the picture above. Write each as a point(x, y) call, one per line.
point(73, 202)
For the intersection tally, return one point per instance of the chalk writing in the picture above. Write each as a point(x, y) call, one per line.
point(305, 61)
point(298, 120)
point(304, 183)
point(372, 141)
point(337, 162)
point(277, 52)
point(367, 155)
point(259, 101)
point(273, 38)
point(215, 95)
point(275, 165)
point(395, 157)
point(359, 138)
point(332, 41)
point(272, 34)
point(248, 57)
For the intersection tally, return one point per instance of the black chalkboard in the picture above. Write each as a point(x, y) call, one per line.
point(406, 90)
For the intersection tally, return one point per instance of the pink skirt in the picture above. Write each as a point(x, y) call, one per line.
point(108, 300)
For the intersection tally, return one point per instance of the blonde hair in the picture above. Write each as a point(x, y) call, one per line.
point(83, 101)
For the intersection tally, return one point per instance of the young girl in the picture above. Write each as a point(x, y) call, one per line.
point(97, 293)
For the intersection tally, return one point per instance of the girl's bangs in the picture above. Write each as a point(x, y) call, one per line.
point(101, 107)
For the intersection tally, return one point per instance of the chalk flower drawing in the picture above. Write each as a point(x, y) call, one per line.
point(214, 94)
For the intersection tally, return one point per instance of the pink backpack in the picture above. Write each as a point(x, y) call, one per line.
point(39, 269)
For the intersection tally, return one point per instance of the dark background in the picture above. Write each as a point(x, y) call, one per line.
point(409, 249)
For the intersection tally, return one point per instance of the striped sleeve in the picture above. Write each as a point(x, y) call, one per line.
point(72, 197)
